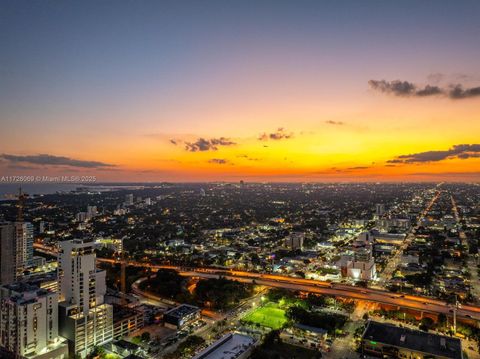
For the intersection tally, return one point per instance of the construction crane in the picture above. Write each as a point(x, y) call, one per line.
point(123, 282)
point(22, 196)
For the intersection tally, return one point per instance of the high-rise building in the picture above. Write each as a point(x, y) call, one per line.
point(16, 250)
point(7, 253)
point(379, 209)
point(81, 217)
point(295, 241)
point(29, 322)
point(24, 234)
point(92, 211)
point(129, 199)
point(41, 227)
point(85, 320)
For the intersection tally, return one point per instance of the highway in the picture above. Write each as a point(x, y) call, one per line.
point(395, 260)
point(472, 258)
point(421, 304)
point(418, 303)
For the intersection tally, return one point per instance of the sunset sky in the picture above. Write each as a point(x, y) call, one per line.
point(230, 90)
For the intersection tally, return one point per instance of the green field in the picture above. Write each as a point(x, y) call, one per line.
point(269, 315)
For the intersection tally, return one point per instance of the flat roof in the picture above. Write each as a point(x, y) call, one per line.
point(24, 293)
point(228, 347)
point(121, 312)
point(182, 311)
point(415, 340)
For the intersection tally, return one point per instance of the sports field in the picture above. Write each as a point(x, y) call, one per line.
point(269, 315)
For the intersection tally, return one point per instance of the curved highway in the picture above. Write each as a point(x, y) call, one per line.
point(418, 303)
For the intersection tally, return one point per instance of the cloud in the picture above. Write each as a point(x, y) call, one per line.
point(219, 161)
point(279, 134)
point(212, 144)
point(358, 168)
point(429, 90)
point(399, 88)
point(51, 160)
point(347, 169)
point(462, 151)
point(409, 89)
point(458, 92)
point(21, 167)
point(395, 161)
point(337, 123)
point(247, 157)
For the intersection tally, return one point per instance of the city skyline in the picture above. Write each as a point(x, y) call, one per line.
point(254, 91)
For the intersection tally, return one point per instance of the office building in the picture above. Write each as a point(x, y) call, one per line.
point(180, 316)
point(295, 241)
point(24, 234)
point(129, 199)
point(92, 211)
point(81, 217)
point(84, 319)
point(29, 322)
point(359, 266)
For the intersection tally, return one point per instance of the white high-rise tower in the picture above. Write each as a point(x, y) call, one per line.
point(29, 322)
point(85, 320)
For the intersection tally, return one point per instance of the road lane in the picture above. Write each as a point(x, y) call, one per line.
point(309, 285)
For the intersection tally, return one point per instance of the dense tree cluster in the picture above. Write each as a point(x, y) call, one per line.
point(214, 293)
point(187, 348)
point(167, 283)
point(327, 321)
point(221, 293)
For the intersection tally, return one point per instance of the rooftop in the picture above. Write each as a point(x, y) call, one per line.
point(122, 312)
point(413, 339)
point(228, 347)
point(24, 293)
point(182, 311)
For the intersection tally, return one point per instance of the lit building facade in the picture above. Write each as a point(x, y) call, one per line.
point(29, 322)
point(85, 320)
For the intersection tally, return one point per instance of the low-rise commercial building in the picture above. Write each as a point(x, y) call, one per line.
point(181, 316)
point(126, 321)
point(387, 340)
point(231, 346)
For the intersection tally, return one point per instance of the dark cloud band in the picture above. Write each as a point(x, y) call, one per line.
point(462, 151)
point(409, 89)
point(51, 160)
